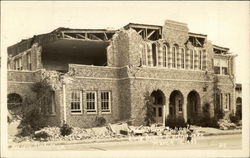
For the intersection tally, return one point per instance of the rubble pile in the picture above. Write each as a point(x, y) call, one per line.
point(117, 130)
point(226, 124)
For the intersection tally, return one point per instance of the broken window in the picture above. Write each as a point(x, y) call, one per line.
point(76, 101)
point(105, 101)
point(91, 102)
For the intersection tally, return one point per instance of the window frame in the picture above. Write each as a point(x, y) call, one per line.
point(109, 102)
point(29, 65)
point(88, 111)
point(80, 102)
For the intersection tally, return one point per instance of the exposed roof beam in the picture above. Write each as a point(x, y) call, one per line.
point(81, 36)
point(88, 31)
point(151, 33)
point(68, 36)
point(140, 31)
point(95, 37)
point(198, 42)
point(105, 35)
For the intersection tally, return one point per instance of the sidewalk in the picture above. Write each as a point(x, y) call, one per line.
point(204, 131)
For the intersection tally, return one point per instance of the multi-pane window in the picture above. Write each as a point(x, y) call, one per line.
point(224, 70)
point(221, 66)
point(76, 101)
point(216, 69)
point(18, 64)
point(174, 57)
point(182, 58)
point(228, 101)
point(200, 59)
point(160, 111)
point(29, 61)
point(105, 101)
point(180, 105)
point(164, 56)
point(191, 59)
point(91, 101)
point(144, 54)
point(52, 106)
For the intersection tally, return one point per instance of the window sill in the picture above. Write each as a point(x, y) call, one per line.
point(106, 113)
point(91, 113)
point(80, 113)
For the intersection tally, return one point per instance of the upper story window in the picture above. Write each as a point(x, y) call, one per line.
point(18, 64)
point(200, 59)
point(154, 54)
point(164, 56)
point(174, 55)
point(144, 54)
point(191, 59)
point(29, 61)
point(221, 66)
point(182, 58)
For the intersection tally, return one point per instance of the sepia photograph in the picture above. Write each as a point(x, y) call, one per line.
point(125, 79)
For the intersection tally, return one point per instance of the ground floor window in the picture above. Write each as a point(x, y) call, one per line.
point(91, 101)
point(52, 106)
point(105, 101)
point(76, 101)
point(216, 69)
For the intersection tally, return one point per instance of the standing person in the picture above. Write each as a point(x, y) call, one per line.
point(189, 137)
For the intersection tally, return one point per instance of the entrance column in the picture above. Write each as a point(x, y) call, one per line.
point(165, 111)
point(185, 102)
point(164, 116)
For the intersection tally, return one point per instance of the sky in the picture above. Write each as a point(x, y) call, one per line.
point(225, 23)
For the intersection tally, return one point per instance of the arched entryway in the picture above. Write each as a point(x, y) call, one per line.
point(193, 106)
point(158, 99)
point(239, 107)
point(14, 103)
point(176, 103)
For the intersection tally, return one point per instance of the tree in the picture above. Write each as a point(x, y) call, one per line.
point(149, 115)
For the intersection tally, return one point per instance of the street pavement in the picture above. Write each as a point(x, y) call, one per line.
point(220, 142)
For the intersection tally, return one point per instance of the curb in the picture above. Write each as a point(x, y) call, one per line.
point(51, 143)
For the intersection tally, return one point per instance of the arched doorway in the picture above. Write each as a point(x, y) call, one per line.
point(239, 107)
point(14, 103)
point(176, 103)
point(158, 99)
point(193, 106)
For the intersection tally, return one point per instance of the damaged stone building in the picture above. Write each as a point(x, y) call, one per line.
point(108, 73)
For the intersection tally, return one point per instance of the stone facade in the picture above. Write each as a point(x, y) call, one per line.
point(172, 64)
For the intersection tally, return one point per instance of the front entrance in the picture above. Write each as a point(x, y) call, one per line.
point(158, 100)
point(176, 103)
point(193, 106)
